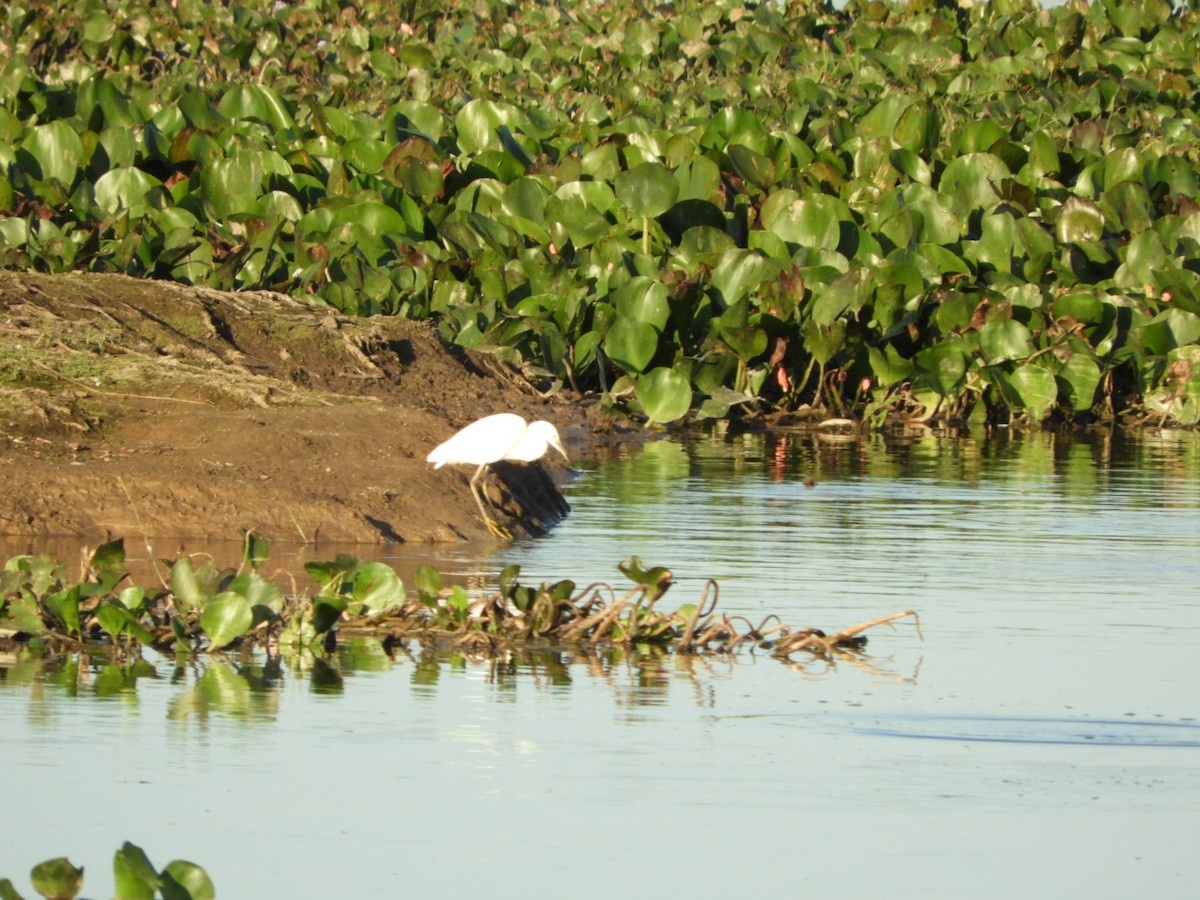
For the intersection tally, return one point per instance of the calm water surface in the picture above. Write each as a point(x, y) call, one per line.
point(1042, 737)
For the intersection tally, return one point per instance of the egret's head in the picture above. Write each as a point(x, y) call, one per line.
point(548, 434)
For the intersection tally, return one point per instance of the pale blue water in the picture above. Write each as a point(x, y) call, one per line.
point(1043, 738)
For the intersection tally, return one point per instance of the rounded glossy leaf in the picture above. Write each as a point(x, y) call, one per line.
point(226, 617)
point(377, 586)
point(1078, 380)
point(933, 219)
point(918, 129)
point(643, 299)
point(881, 120)
point(1082, 306)
point(941, 367)
point(135, 876)
point(233, 185)
point(1170, 329)
point(739, 272)
point(824, 341)
point(971, 182)
point(1005, 339)
point(120, 189)
point(366, 156)
point(1129, 206)
point(183, 880)
point(57, 878)
point(911, 166)
point(1172, 170)
point(752, 167)
point(665, 394)
point(648, 190)
point(280, 205)
point(699, 179)
point(479, 123)
point(375, 219)
point(631, 344)
point(1078, 220)
point(1036, 388)
point(813, 221)
point(526, 197)
point(255, 101)
point(978, 136)
point(578, 220)
point(1145, 258)
point(56, 151)
point(409, 117)
point(888, 366)
point(264, 595)
point(102, 104)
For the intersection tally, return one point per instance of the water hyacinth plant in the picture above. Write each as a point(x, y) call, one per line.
point(944, 213)
point(205, 609)
point(135, 877)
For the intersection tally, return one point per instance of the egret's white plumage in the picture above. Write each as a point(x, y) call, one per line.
point(491, 439)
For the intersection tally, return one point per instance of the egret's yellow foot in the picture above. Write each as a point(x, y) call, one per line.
point(497, 529)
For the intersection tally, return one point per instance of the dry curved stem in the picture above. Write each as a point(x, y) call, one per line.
point(686, 640)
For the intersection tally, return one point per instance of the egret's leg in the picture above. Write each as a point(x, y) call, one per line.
point(493, 526)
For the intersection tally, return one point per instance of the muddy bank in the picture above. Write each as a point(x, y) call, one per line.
point(132, 407)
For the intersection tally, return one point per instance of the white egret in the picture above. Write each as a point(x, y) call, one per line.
point(491, 439)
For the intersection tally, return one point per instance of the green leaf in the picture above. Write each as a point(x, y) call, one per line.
point(643, 299)
point(135, 877)
point(185, 586)
point(918, 128)
point(255, 548)
point(889, 366)
point(255, 101)
point(428, 583)
point(109, 556)
point(478, 124)
point(971, 181)
point(1083, 306)
point(266, 598)
point(648, 190)
point(65, 605)
point(231, 186)
point(1036, 388)
point(739, 272)
point(57, 879)
point(665, 394)
point(580, 222)
point(119, 189)
point(56, 150)
point(631, 344)
point(941, 367)
point(1078, 220)
point(371, 218)
point(377, 586)
point(1170, 329)
point(1005, 339)
point(226, 617)
point(814, 221)
point(1078, 380)
point(753, 167)
point(117, 620)
point(183, 880)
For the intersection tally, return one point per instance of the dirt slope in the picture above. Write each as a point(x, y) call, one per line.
point(131, 407)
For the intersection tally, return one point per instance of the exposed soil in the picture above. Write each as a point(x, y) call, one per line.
point(132, 407)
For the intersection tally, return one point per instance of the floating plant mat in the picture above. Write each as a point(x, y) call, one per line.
point(207, 609)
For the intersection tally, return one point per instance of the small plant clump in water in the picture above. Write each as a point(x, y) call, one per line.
point(58, 879)
point(205, 609)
